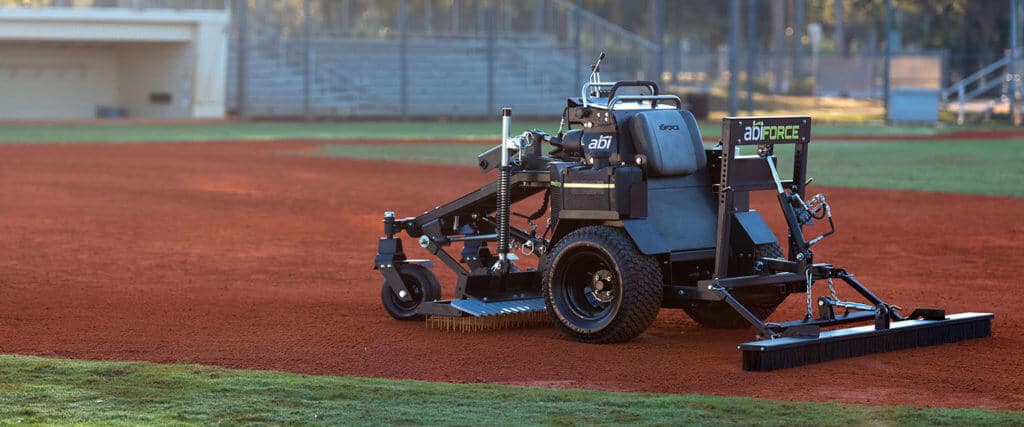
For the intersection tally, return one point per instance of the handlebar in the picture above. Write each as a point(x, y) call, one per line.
point(640, 98)
point(654, 97)
point(634, 83)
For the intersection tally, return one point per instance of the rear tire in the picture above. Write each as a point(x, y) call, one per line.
point(420, 282)
point(599, 288)
point(762, 301)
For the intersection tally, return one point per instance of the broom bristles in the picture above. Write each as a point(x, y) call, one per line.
point(767, 358)
point(488, 323)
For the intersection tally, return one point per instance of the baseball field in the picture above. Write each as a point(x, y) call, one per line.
point(168, 273)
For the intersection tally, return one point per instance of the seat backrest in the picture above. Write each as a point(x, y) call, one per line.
point(671, 141)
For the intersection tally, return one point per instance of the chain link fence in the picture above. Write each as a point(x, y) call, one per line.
point(468, 58)
point(420, 58)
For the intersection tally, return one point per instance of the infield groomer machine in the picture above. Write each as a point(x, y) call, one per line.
point(638, 216)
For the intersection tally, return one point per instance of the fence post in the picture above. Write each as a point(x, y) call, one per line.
point(1013, 62)
point(537, 17)
point(506, 16)
point(242, 15)
point(481, 16)
point(751, 52)
point(888, 56)
point(577, 47)
point(798, 32)
point(455, 16)
point(346, 15)
point(960, 103)
point(490, 21)
point(403, 60)
point(734, 40)
point(659, 38)
point(307, 61)
point(428, 17)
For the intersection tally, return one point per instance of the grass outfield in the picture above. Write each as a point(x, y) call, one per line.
point(988, 167)
point(261, 131)
point(48, 391)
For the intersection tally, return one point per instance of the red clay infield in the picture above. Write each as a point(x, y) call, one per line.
point(230, 255)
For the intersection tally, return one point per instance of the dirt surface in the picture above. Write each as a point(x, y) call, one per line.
point(230, 255)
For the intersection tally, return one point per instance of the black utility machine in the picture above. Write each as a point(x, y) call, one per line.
point(641, 216)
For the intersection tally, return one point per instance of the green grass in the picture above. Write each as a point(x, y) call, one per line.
point(976, 167)
point(259, 131)
point(264, 131)
point(989, 167)
point(48, 391)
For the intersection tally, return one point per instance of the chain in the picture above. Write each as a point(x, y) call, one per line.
point(832, 289)
point(810, 298)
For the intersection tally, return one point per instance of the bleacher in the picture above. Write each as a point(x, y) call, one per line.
point(361, 77)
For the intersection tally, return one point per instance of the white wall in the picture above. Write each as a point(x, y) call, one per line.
point(59, 63)
point(146, 68)
point(47, 81)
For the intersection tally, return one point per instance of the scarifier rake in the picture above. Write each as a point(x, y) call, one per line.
point(641, 216)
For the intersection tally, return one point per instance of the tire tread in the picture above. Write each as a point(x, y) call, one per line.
point(642, 286)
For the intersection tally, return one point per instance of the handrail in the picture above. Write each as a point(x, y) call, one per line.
point(995, 74)
point(985, 87)
point(977, 75)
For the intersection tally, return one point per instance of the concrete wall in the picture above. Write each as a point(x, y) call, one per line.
point(151, 70)
point(56, 81)
point(60, 63)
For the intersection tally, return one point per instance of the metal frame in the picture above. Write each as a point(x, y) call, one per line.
point(799, 265)
point(732, 139)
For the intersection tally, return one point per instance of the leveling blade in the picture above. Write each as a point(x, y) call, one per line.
point(779, 353)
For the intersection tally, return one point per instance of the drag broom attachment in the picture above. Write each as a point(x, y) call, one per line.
point(470, 314)
point(489, 323)
point(923, 328)
point(482, 316)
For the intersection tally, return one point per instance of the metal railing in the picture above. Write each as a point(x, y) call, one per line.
point(980, 82)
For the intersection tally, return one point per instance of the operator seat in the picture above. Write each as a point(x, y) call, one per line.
point(671, 141)
point(682, 213)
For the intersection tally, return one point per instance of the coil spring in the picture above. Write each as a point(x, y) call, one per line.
point(504, 188)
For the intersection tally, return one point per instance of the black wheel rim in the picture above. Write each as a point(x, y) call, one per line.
point(415, 291)
point(588, 286)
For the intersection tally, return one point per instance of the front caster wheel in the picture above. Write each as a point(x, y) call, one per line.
point(599, 288)
point(422, 285)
